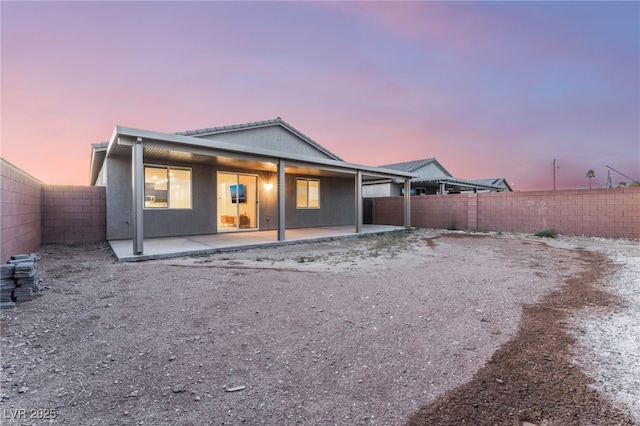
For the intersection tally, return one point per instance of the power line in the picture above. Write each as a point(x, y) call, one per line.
point(632, 180)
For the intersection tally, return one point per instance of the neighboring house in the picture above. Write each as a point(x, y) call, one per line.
point(501, 183)
point(432, 178)
point(256, 176)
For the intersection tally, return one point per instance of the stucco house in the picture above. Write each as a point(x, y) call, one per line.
point(432, 178)
point(263, 175)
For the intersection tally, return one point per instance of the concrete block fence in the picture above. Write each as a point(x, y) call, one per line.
point(73, 214)
point(598, 212)
point(33, 213)
point(20, 211)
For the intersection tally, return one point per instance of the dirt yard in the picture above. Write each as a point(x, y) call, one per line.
point(421, 328)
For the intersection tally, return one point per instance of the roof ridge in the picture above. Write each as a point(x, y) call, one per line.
point(307, 138)
point(229, 127)
point(412, 164)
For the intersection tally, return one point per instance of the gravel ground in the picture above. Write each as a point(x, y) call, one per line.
point(372, 330)
point(608, 344)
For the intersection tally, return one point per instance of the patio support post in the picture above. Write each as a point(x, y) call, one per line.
point(442, 188)
point(137, 188)
point(358, 201)
point(407, 203)
point(281, 192)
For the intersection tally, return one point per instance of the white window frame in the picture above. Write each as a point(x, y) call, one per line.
point(307, 180)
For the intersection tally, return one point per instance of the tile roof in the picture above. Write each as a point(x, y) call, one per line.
point(489, 181)
point(256, 124)
point(412, 166)
point(495, 182)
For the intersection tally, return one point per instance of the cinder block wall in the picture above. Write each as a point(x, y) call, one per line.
point(427, 211)
point(446, 212)
point(73, 214)
point(32, 213)
point(598, 213)
point(388, 211)
point(20, 212)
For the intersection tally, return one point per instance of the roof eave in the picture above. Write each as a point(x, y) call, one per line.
point(462, 182)
point(97, 161)
point(122, 133)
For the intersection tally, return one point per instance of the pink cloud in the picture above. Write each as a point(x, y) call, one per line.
point(479, 87)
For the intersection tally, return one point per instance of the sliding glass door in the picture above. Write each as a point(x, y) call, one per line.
point(237, 201)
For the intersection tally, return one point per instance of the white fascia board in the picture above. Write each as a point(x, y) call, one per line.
point(263, 154)
point(125, 141)
point(113, 140)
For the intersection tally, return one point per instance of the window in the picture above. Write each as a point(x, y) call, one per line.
point(308, 194)
point(167, 187)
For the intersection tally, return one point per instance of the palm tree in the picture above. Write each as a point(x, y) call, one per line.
point(590, 174)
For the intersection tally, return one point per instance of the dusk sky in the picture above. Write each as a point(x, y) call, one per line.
point(491, 89)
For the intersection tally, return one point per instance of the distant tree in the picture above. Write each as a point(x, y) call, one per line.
point(590, 174)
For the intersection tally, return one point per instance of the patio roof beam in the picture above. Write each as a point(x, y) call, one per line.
point(320, 166)
point(385, 177)
point(125, 141)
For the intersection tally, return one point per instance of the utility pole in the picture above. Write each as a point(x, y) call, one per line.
point(555, 166)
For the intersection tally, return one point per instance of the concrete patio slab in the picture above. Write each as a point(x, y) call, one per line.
point(167, 247)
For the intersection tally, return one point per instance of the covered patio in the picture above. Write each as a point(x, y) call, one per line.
point(167, 247)
point(138, 229)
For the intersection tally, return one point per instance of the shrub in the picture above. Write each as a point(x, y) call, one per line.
point(547, 233)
